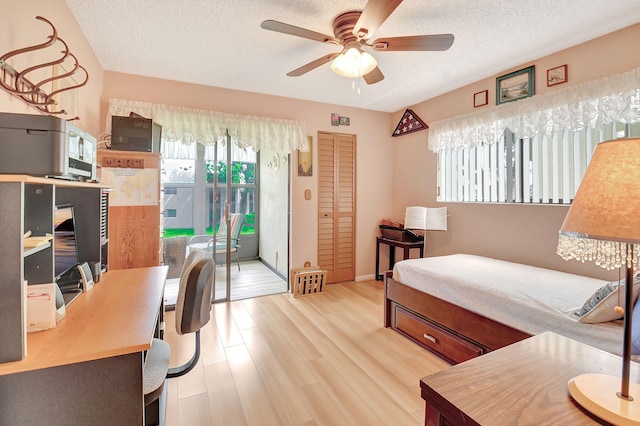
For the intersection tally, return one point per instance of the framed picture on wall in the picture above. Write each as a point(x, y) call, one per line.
point(557, 75)
point(305, 160)
point(480, 98)
point(516, 85)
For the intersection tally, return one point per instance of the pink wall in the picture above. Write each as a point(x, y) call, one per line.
point(390, 171)
point(19, 28)
point(521, 233)
point(374, 152)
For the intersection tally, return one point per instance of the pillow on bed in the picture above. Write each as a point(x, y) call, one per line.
point(599, 307)
point(635, 330)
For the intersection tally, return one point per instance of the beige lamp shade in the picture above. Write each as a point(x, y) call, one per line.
point(605, 213)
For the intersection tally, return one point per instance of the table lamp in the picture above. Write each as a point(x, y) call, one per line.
point(425, 218)
point(603, 226)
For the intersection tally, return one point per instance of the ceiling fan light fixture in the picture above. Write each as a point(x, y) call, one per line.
point(353, 63)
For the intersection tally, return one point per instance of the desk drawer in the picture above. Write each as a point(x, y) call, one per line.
point(435, 338)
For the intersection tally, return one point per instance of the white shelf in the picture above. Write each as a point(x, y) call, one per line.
point(28, 251)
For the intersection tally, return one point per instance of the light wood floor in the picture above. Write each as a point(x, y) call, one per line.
point(321, 359)
point(254, 279)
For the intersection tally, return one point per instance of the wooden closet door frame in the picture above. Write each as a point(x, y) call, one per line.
point(336, 274)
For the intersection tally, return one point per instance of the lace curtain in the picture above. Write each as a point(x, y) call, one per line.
point(587, 105)
point(182, 127)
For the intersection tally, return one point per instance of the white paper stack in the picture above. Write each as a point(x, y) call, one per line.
point(41, 307)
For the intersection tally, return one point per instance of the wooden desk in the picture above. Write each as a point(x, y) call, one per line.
point(524, 383)
point(406, 247)
point(88, 370)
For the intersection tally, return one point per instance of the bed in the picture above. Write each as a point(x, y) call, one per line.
point(461, 306)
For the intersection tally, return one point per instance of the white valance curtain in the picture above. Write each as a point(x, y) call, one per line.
point(182, 127)
point(582, 106)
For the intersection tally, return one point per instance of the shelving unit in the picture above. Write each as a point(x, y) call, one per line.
point(27, 204)
point(134, 224)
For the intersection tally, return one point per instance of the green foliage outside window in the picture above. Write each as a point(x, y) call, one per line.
point(247, 228)
point(241, 172)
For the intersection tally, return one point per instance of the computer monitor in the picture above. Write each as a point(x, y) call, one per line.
point(65, 246)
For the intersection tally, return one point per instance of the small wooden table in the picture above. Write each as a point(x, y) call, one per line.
point(523, 383)
point(405, 245)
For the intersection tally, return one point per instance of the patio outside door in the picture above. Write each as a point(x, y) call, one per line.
point(231, 189)
point(196, 194)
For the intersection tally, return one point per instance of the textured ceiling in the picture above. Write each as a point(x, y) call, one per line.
point(220, 42)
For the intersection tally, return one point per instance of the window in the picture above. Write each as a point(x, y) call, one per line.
point(178, 171)
point(243, 186)
point(544, 170)
point(178, 182)
point(185, 210)
point(535, 150)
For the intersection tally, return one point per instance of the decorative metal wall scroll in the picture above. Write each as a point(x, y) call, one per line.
point(34, 93)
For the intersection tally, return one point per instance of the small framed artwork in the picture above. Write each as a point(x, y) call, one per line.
point(516, 85)
point(557, 75)
point(344, 121)
point(305, 160)
point(335, 119)
point(480, 98)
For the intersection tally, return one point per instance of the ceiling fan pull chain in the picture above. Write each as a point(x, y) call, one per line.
point(355, 85)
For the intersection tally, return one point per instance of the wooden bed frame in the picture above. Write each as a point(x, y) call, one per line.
point(451, 332)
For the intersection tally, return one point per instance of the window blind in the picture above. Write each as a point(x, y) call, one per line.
point(540, 169)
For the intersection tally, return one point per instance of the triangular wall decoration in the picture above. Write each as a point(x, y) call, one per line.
point(409, 123)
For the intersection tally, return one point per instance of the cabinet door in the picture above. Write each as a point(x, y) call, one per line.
point(23, 207)
point(134, 237)
point(38, 218)
point(12, 305)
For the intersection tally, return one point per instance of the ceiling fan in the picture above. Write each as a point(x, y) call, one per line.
point(352, 31)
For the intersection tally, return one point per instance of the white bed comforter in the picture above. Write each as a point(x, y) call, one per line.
point(523, 297)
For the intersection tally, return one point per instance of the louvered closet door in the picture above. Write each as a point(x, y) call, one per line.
point(336, 206)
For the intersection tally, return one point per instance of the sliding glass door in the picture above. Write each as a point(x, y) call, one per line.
point(231, 193)
point(213, 198)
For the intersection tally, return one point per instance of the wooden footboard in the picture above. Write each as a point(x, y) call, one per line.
point(448, 330)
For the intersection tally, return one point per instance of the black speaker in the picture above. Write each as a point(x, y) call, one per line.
point(96, 271)
point(135, 134)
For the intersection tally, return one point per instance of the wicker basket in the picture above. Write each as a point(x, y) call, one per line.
point(309, 280)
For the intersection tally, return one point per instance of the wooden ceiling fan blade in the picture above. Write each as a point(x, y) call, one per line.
point(373, 76)
point(281, 27)
point(312, 65)
point(414, 43)
point(373, 15)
